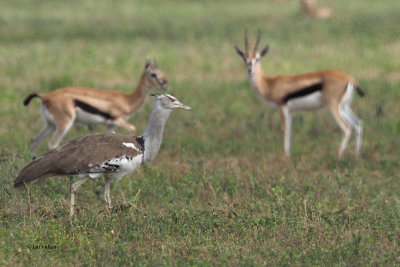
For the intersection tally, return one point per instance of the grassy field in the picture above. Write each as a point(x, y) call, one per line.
point(220, 190)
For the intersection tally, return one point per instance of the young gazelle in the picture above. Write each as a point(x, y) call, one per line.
point(62, 107)
point(330, 88)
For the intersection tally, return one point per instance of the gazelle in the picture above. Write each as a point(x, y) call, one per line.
point(311, 9)
point(331, 89)
point(62, 107)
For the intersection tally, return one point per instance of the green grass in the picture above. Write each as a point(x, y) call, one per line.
point(220, 191)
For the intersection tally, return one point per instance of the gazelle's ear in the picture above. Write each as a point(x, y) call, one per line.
point(240, 52)
point(264, 51)
point(148, 63)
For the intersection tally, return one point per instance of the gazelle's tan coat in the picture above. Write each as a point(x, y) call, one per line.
point(62, 107)
point(331, 89)
point(311, 9)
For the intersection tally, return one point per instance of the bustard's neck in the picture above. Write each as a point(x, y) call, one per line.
point(153, 134)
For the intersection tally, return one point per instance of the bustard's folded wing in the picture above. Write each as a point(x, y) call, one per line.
point(84, 155)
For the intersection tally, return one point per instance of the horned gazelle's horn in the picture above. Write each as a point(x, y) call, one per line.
point(258, 41)
point(246, 41)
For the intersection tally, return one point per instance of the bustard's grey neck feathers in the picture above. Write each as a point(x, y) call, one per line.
point(153, 134)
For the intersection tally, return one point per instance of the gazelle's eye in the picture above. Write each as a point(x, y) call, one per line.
point(153, 75)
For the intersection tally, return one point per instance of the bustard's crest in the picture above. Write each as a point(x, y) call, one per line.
point(169, 101)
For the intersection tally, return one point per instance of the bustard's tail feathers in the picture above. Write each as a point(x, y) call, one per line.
point(37, 170)
point(39, 180)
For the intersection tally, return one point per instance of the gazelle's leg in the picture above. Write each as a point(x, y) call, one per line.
point(47, 130)
point(110, 128)
point(74, 188)
point(123, 123)
point(107, 198)
point(357, 125)
point(287, 128)
point(49, 127)
point(344, 126)
point(62, 129)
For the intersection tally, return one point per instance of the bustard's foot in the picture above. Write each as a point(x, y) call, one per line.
point(108, 206)
point(72, 212)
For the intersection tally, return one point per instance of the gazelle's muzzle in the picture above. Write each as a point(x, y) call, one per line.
point(164, 85)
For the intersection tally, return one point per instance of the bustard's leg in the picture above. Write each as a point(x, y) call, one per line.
point(357, 125)
point(74, 188)
point(287, 128)
point(345, 128)
point(107, 198)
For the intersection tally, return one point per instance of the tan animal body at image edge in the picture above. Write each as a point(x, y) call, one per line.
point(62, 107)
point(312, 10)
point(331, 89)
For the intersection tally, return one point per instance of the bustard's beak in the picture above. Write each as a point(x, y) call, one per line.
point(182, 106)
point(179, 104)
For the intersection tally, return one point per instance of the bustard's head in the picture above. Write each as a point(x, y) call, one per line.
point(168, 101)
point(154, 77)
point(252, 57)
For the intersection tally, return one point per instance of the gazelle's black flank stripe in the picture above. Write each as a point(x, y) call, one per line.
point(303, 92)
point(88, 108)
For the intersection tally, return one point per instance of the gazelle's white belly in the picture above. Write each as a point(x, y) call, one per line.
point(87, 117)
point(272, 105)
point(311, 101)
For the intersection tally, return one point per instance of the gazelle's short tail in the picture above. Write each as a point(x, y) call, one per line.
point(359, 91)
point(29, 98)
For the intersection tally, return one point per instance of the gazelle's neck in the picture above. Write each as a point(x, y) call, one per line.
point(137, 98)
point(153, 134)
point(259, 81)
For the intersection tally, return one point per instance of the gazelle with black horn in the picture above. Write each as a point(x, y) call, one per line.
point(331, 89)
point(62, 107)
point(110, 155)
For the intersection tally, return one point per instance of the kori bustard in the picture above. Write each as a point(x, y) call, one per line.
point(110, 155)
